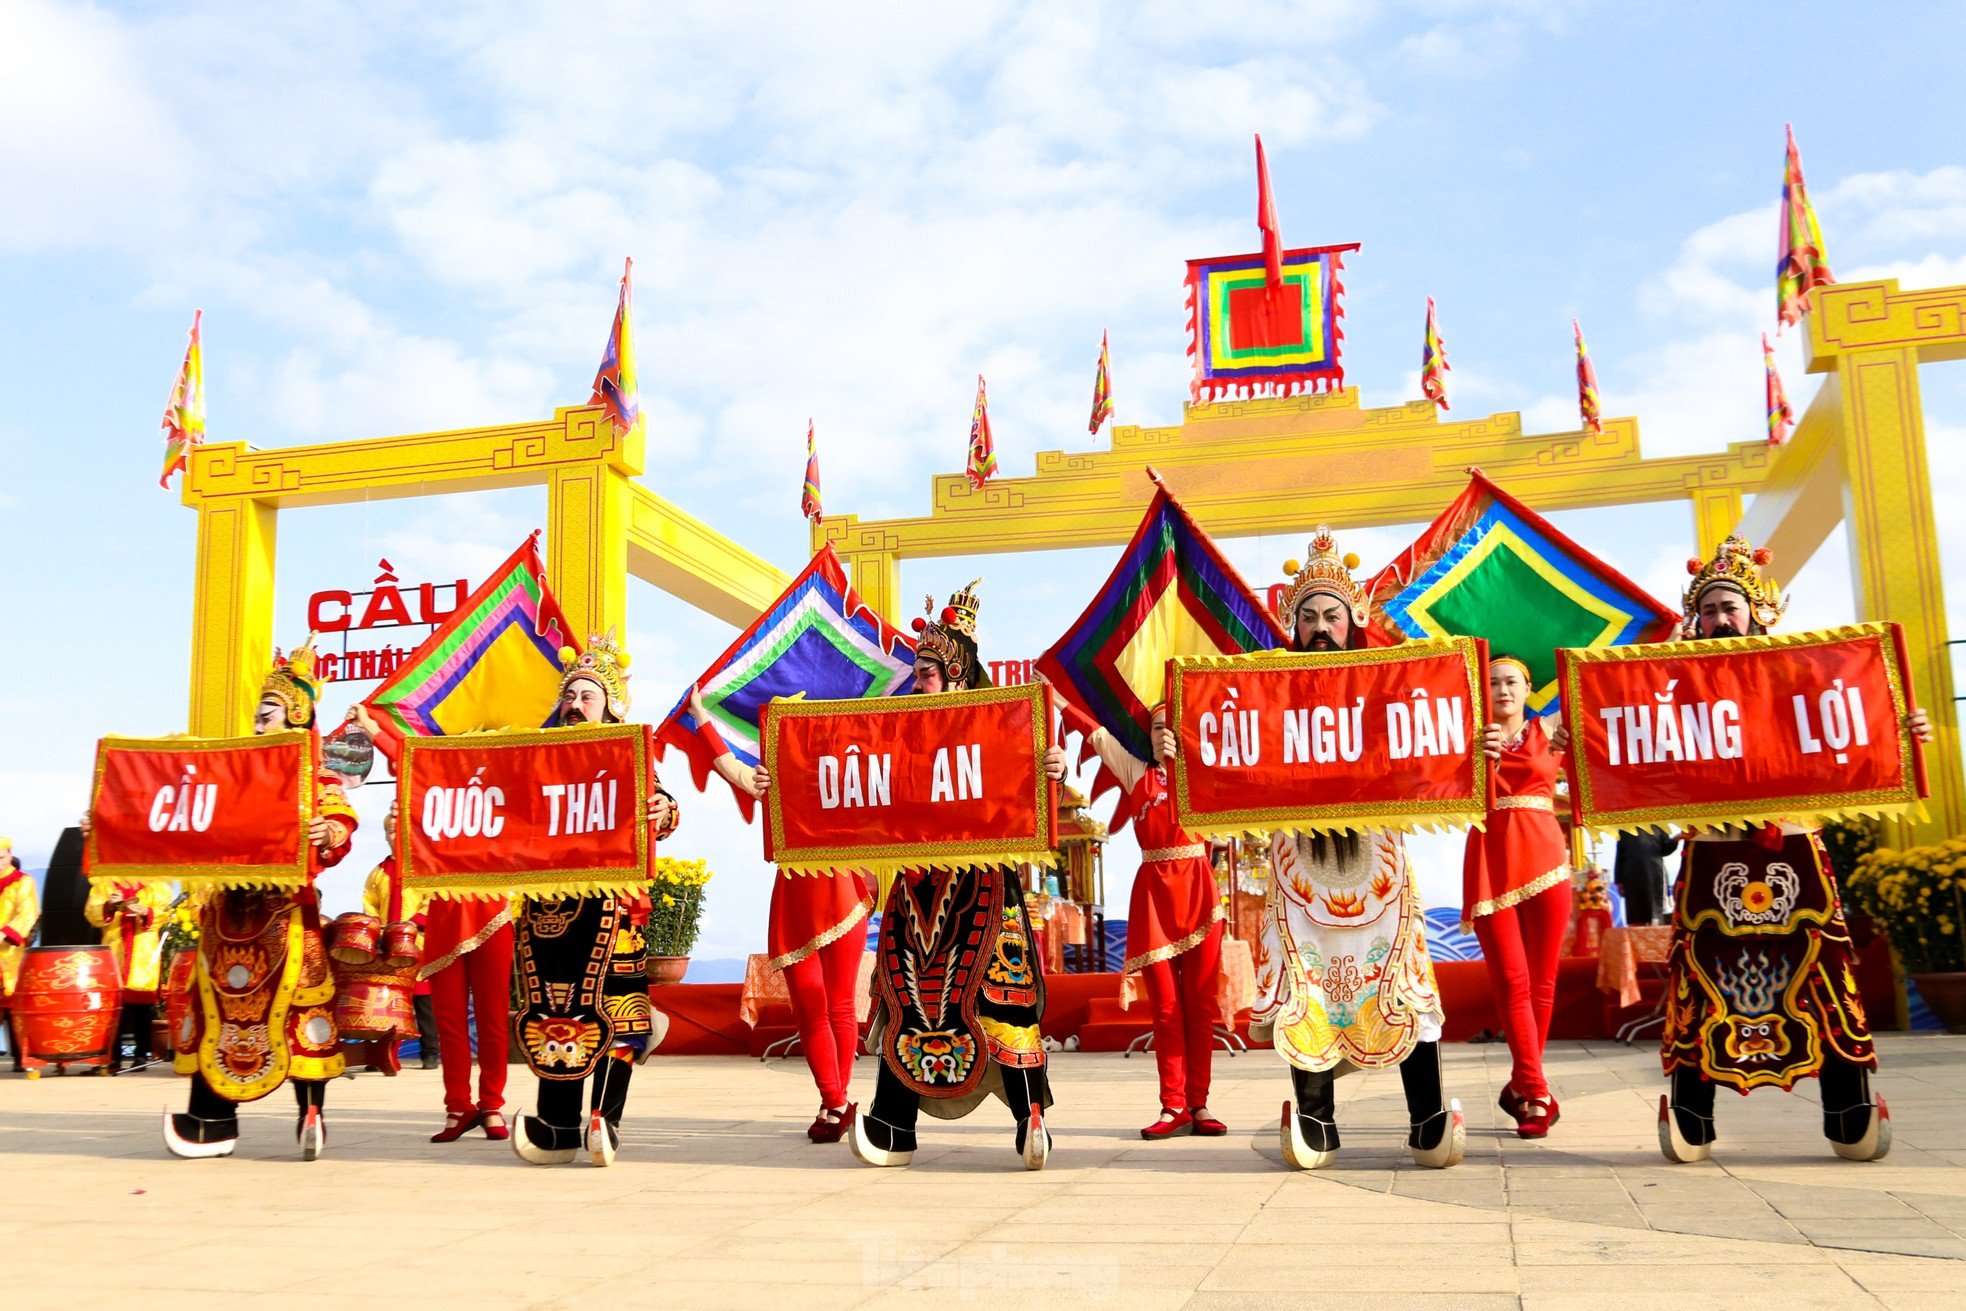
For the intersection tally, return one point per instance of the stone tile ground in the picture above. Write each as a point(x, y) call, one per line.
point(717, 1201)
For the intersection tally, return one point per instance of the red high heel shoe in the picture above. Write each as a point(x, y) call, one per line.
point(1537, 1117)
point(831, 1126)
point(456, 1125)
point(494, 1124)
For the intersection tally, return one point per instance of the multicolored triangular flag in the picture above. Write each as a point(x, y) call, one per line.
point(1586, 383)
point(1266, 221)
point(495, 663)
point(818, 641)
point(982, 449)
point(1433, 362)
point(1801, 264)
point(809, 504)
point(614, 383)
point(1172, 593)
point(184, 412)
point(1780, 416)
point(1491, 567)
point(1102, 389)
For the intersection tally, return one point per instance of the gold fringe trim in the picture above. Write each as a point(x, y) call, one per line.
point(506, 885)
point(1808, 812)
point(1516, 896)
point(198, 877)
point(1134, 964)
point(885, 862)
point(1354, 819)
point(465, 948)
point(826, 939)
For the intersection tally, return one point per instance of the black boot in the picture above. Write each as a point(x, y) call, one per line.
point(1437, 1134)
point(610, 1099)
point(1024, 1092)
point(884, 1134)
point(552, 1136)
point(210, 1126)
point(1686, 1131)
point(311, 1096)
point(1857, 1125)
point(1317, 1107)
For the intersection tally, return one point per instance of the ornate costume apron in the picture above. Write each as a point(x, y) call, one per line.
point(580, 984)
point(263, 1008)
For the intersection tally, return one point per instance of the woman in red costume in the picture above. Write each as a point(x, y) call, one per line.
point(816, 935)
point(1174, 937)
point(1516, 889)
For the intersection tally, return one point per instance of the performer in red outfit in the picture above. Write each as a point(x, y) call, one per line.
point(816, 937)
point(1174, 938)
point(1515, 891)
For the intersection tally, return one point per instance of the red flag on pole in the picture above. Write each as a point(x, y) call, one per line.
point(184, 413)
point(1780, 416)
point(1433, 362)
point(982, 450)
point(1800, 265)
point(614, 381)
point(1586, 383)
point(1266, 220)
point(1102, 388)
point(809, 505)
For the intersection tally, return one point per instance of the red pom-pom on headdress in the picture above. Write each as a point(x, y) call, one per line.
point(920, 624)
point(1763, 556)
point(1695, 564)
point(949, 614)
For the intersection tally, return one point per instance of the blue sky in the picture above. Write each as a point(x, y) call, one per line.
point(399, 219)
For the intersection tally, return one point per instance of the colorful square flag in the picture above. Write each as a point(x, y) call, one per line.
point(1248, 338)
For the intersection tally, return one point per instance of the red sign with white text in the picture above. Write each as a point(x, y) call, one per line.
point(202, 811)
point(1388, 737)
point(1745, 729)
point(951, 779)
point(557, 811)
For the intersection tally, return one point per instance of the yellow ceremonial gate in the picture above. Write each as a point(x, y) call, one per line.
point(1242, 467)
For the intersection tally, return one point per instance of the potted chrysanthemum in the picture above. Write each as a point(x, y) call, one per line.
point(675, 915)
point(1918, 897)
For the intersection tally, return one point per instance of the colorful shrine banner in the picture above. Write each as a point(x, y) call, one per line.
point(945, 781)
point(1331, 741)
point(228, 812)
point(1742, 730)
point(549, 813)
point(1491, 567)
point(1249, 338)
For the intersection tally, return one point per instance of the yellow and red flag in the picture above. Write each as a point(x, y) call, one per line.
point(1266, 221)
point(1586, 383)
point(1433, 362)
point(614, 383)
point(1801, 264)
point(1102, 388)
point(1780, 416)
point(982, 449)
point(809, 505)
point(184, 413)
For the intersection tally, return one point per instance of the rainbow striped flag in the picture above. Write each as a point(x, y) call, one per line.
point(1102, 389)
point(1171, 594)
point(1586, 383)
point(495, 663)
point(809, 505)
point(1433, 362)
point(1491, 567)
point(818, 640)
point(982, 449)
point(1800, 264)
point(1781, 417)
point(184, 413)
point(614, 382)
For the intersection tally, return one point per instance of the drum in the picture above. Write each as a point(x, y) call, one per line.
point(375, 1003)
point(180, 999)
point(402, 945)
point(66, 1006)
point(353, 938)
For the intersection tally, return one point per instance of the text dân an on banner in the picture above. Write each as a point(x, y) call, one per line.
point(542, 812)
point(909, 782)
point(202, 812)
point(1741, 730)
point(1386, 738)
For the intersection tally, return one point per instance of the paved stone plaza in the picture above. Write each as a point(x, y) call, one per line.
point(718, 1200)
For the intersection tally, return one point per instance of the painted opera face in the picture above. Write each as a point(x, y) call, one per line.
point(271, 716)
point(1724, 613)
point(930, 678)
point(1324, 623)
point(583, 702)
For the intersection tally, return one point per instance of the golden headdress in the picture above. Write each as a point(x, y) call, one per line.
point(1326, 571)
point(292, 683)
point(605, 663)
point(1737, 566)
point(950, 639)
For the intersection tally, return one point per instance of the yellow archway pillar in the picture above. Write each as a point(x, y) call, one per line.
point(232, 615)
point(1715, 512)
point(587, 514)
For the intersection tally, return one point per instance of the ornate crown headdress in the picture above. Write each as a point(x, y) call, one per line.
point(1737, 566)
point(606, 663)
point(1326, 571)
point(292, 683)
point(938, 638)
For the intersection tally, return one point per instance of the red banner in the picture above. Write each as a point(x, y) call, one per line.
point(544, 812)
point(903, 782)
point(1386, 738)
point(202, 812)
point(1741, 730)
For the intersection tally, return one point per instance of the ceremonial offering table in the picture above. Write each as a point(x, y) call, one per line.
point(764, 987)
point(1624, 951)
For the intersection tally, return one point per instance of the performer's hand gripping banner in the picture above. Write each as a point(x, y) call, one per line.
point(202, 812)
point(1741, 730)
point(550, 812)
point(1382, 738)
point(910, 782)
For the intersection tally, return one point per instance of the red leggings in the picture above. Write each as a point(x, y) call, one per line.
point(822, 987)
point(1184, 994)
point(1520, 945)
point(483, 978)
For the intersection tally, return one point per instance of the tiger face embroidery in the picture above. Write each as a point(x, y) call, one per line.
point(561, 1043)
point(940, 1058)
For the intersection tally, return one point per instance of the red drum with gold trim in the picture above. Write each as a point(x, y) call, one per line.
point(374, 1002)
point(353, 938)
point(65, 1007)
point(180, 997)
point(402, 945)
